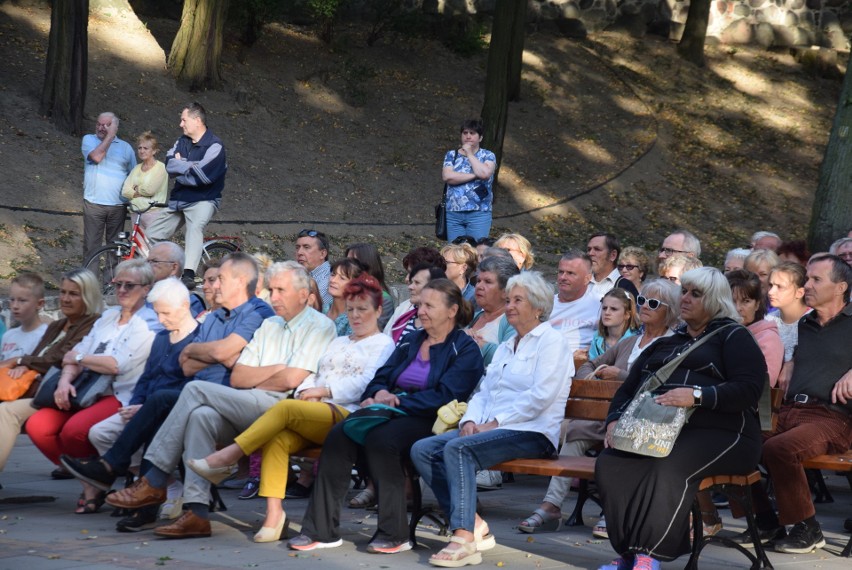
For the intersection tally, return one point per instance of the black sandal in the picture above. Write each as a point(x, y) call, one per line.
point(91, 506)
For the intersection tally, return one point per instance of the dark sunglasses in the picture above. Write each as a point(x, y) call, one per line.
point(308, 233)
point(627, 266)
point(119, 285)
point(653, 304)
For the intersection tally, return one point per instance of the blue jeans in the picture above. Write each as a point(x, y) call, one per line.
point(474, 223)
point(448, 464)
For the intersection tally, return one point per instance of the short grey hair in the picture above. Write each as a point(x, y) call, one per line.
point(504, 268)
point(690, 241)
point(301, 278)
point(838, 244)
point(763, 256)
point(737, 253)
point(175, 252)
point(573, 254)
point(171, 292)
point(757, 236)
point(497, 252)
point(668, 293)
point(539, 292)
point(718, 299)
point(139, 268)
point(680, 260)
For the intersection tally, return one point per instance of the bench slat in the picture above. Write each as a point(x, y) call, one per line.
point(583, 467)
point(840, 462)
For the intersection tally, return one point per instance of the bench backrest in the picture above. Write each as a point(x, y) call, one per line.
point(590, 399)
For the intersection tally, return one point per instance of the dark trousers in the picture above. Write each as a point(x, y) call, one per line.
point(803, 431)
point(385, 449)
point(101, 224)
point(141, 429)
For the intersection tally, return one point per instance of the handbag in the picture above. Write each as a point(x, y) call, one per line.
point(449, 416)
point(441, 210)
point(90, 387)
point(14, 388)
point(359, 423)
point(648, 428)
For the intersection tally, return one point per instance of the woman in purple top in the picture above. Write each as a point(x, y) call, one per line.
point(429, 368)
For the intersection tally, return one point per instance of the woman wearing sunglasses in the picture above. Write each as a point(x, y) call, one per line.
point(659, 307)
point(118, 345)
point(634, 265)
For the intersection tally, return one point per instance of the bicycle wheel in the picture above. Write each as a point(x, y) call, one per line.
point(217, 249)
point(103, 263)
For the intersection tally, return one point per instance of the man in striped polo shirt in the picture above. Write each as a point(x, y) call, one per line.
point(108, 161)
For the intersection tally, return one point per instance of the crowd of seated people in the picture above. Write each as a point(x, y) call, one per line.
point(281, 353)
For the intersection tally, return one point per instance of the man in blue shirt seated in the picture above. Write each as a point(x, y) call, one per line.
point(217, 346)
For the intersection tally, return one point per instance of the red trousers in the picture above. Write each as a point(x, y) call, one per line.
point(55, 432)
point(803, 431)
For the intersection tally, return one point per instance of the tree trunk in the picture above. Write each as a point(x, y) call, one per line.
point(63, 95)
point(196, 53)
point(831, 216)
point(495, 109)
point(516, 55)
point(691, 46)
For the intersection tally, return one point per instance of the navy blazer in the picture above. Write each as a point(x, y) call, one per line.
point(455, 369)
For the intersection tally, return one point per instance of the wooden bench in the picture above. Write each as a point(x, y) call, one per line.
point(839, 462)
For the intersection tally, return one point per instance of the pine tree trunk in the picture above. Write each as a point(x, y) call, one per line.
point(495, 109)
point(63, 95)
point(691, 46)
point(519, 32)
point(831, 216)
point(196, 53)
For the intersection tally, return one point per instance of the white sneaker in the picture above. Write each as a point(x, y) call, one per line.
point(171, 509)
point(489, 480)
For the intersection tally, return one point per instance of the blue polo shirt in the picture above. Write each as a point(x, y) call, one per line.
point(102, 181)
point(221, 323)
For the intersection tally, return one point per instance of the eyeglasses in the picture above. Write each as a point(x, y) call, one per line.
point(160, 261)
point(119, 285)
point(669, 251)
point(846, 255)
point(308, 233)
point(627, 266)
point(653, 304)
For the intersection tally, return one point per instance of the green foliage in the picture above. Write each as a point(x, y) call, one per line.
point(325, 13)
point(464, 36)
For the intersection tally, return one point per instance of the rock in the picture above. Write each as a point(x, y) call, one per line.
point(790, 19)
point(633, 24)
point(675, 31)
point(795, 4)
point(821, 62)
point(570, 10)
point(738, 32)
point(763, 35)
point(756, 3)
point(836, 39)
point(742, 10)
point(596, 19)
point(586, 4)
point(572, 28)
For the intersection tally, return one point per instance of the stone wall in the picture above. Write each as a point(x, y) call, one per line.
point(765, 22)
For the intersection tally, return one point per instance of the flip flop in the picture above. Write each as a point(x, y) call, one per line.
point(541, 521)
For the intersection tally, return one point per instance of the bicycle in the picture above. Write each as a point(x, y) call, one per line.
point(135, 245)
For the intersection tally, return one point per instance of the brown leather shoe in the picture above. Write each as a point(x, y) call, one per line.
point(139, 494)
point(188, 525)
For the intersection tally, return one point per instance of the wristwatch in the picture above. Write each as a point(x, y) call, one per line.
point(18, 362)
point(78, 358)
point(696, 396)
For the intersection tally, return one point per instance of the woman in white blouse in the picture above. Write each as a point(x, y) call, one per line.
point(515, 414)
point(321, 401)
point(118, 345)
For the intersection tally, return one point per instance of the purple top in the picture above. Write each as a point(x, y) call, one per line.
point(413, 378)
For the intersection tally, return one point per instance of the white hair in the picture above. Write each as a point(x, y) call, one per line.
point(757, 236)
point(539, 292)
point(169, 291)
point(718, 299)
point(737, 253)
point(301, 278)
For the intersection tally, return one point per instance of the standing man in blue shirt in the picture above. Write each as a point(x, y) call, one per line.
point(108, 161)
point(198, 164)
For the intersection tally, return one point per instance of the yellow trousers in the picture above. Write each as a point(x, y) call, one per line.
point(287, 427)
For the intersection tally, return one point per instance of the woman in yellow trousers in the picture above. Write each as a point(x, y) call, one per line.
point(321, 401)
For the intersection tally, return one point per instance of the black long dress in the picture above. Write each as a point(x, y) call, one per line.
point(647, 500)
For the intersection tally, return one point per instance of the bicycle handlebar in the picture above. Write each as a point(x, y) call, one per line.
point(151, 205)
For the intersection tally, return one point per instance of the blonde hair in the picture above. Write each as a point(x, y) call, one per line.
point(148, 136)
point(462, 253)
point(523, 245)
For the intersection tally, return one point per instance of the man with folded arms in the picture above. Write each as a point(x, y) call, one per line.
point(218, 344)
point(284, 351)
point(816, 417)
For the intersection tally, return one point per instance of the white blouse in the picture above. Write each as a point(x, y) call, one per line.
point(526, 390)
point(347, 367)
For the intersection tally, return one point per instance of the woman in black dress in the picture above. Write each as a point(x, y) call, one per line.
point(646, 501)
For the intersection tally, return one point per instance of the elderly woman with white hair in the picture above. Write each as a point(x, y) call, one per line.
point(735, 258)
point(647, 500)
point(516, 413)
point(659, 312)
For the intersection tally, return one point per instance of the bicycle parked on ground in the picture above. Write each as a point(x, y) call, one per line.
point(135, 245)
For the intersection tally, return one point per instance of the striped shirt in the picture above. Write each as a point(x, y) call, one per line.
point(102, 181)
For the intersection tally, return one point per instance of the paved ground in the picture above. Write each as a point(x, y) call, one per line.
point(47, 535)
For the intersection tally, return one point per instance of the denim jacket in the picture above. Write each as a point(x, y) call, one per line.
point(455, 369)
